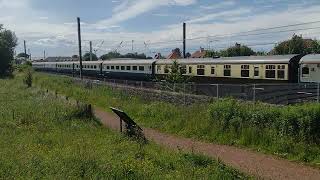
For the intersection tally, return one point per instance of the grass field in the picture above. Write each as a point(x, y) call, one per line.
point(42, 137)
point(291, 132)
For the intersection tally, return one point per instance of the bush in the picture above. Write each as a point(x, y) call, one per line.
point(28, 78)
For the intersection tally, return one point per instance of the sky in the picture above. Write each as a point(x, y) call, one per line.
point(151, 26)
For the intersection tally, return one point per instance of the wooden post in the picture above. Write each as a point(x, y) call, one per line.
point(120, 125)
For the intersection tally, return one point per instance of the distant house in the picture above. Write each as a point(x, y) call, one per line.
point(199, 54)
point(175, 54)
point(60, 59)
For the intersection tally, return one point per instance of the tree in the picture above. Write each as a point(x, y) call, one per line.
point(211, 54)
point(237, 50)
point(110, 55)
point(86, 57)
point(176, 74)
point(296, 45)
point(23, 55)
point(8, 41)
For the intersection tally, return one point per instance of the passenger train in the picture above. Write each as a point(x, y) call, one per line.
point(247, 69)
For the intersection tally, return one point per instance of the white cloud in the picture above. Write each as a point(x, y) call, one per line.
point(129, 9)
point(218, 5)
point(12, 3)
point(221, 15)
point(61, 38)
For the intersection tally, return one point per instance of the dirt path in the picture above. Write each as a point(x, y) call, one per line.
point(253, 163)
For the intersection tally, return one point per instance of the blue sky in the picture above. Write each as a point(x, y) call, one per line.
point(50, 25)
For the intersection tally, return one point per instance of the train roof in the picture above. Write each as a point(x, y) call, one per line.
point(129, 62)
point(311, 59)
point(106, 62)
point(278, 59)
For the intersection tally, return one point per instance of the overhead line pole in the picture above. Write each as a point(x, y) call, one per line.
point(184, 40)
point(80, 51)
point(25, 47)
point(90, 50)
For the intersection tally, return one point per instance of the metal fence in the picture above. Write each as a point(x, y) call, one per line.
point(282, 94)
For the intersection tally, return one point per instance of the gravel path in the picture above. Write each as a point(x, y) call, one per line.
point(252, 163)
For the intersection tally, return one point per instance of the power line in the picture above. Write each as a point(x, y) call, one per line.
point(243, 33)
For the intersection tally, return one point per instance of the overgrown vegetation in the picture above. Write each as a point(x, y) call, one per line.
point(291, 132)
point(176, 73)
point(42, 137)
point(8, 41)
point(28, 78)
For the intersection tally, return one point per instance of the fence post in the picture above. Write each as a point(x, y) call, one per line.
point(318, 93)
point(254, 92)
point(184, 92)
point(217, 91)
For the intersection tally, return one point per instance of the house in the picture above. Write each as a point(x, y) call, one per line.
point(175, 54)
point(199, 54)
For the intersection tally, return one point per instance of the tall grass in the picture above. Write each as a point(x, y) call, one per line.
point(46, 139)
point(291, 132)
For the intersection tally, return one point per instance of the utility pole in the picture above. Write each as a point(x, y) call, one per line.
point(25, 47)
point(90, 50)
point(29, 54)
point(132, 46)
point(184, 40)
point(80, 52)
point(44, 54)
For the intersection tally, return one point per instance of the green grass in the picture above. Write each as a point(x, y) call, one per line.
point(291, 132)
point(42, 137)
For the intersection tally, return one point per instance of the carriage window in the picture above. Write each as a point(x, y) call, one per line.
point(158, 68)
point(190, 70)
point(183, 69)
point(112, 67)
point(305, 71)
point(245, 72)
point(141, 68)
point(117, 67)
point(122, 68)
point(166, 69)
point(95, 66)
point(200, 70)
point(134, 68)
point(128, 68)
point(256, 71)
point(270, 71)
point(150, 68)
point(213, 70)
point(108, 67)
point(227, 70)
point(281, 71)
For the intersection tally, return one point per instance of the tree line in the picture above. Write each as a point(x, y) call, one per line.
point(113, 55)
point(295, 45)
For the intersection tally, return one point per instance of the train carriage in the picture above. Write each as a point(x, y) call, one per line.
point(310, 69)
point(129, 69)
point(247, 69)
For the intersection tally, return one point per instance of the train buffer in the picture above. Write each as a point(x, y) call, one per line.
point(132, 129)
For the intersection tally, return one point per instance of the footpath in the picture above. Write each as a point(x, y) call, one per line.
point(252, 163)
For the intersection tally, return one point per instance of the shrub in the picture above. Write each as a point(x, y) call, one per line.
point(28, 78)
